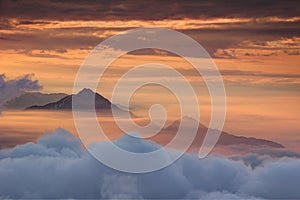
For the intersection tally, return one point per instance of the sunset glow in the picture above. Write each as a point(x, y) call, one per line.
point(255, 46)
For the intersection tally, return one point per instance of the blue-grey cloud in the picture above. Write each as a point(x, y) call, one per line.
point(57, 166)
point(10, 89)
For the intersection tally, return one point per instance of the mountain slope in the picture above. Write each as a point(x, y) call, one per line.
point(169, 132)
point(32, 98)
point(101, 103)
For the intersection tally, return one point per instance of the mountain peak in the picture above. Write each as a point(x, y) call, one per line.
point(86, 91)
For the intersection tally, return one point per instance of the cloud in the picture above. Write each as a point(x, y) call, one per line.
point(57, 166)
point(252, 160)
point(216, 195)
point(277, 153)
point(277, 180)
point(155, 9)
point(10, 89)
point(257, 74)
point(51, 35)
point(275, 47)
point(218, 26)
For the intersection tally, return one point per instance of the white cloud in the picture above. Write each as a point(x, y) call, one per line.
point(58, 167)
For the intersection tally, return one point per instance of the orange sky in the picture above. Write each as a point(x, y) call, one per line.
point(258, 55)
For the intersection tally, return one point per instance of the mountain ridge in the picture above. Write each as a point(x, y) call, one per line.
point(167, 133)
point(66, 103)
point(32, 98)
point(225, 138)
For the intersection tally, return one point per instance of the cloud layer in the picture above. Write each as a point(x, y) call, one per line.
point(58, 167)
point(150, 10)
point(10, 89)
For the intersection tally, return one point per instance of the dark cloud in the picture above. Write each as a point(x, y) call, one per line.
point(43, 54)
point(89, 37)
point(59, 40)
point(293, 52)
point(9, 39)
point(27, 22)
point(146, 10)
point(257, 74)
point(57, 166)
point(226, 37)
point(225, 73)
point(220, 36)
point(252, 160)
point(49, 41)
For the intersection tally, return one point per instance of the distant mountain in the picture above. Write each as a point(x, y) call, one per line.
point(32, 98)
point(101, 103)
point(169, 132)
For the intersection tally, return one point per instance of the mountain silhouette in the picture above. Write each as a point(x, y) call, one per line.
point(101, 103)
point(168, 133)
point(32, 98)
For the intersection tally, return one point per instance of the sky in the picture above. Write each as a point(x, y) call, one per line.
point(256, 47)
point(254, 44)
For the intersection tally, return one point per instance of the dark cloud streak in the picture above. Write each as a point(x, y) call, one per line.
point(146, 10)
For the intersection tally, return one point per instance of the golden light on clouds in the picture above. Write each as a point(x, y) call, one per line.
point(258, 55)
point(179, 24)
point(246, 86)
